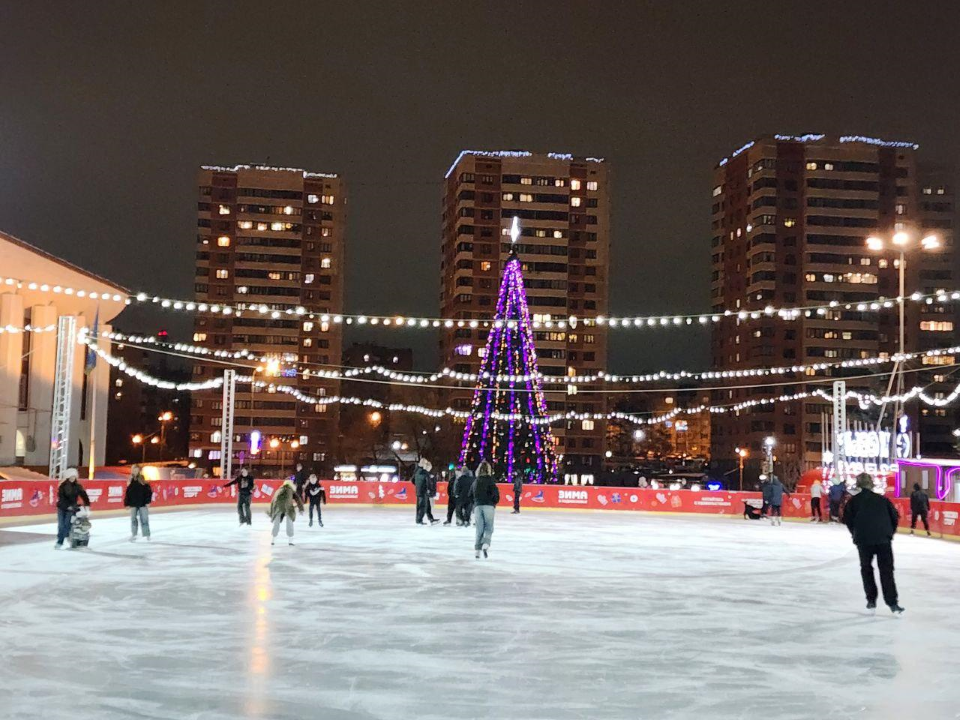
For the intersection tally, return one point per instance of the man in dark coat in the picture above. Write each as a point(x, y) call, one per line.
point(300, 477)
point(517, 492)
point(766, 492)
point(464, 490)
point(872, 520)
point(919, 507)
point(424, 485)
point(245, 483)
point(775, 501)
point(835, 497)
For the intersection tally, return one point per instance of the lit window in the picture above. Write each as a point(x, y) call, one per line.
point(592, 185)
point(465, 349)
point(669, 400)
point(526, 197)
point(242, 289)
point(325, 232)
point(575, 201)
point(586, 425)
point(277, 226)
point(927, 191)
point(882, 263)
point(717, 190)
point(508, 197)
point(223, 274)
point(828, 166)
point(199, 337)
point(864, 261)
point(224, 210)
point(540, 233)
point(325, 262)
point(937, 326)
point(308, 342)
point(811, 166)
point(897, 227)
point(938, 360)
point(485, 265)
point(526, 181)
point(119, 381)
point(326, 199)
point(215, 436)
point(223, 241)
point(789, 222)
point(901, 209)
point(288, 210)
point(308, 278)
point(560, 182)
point(312, 199)
point(245, 224)
point(558, 234)
point(574, 184)
point(262, 226)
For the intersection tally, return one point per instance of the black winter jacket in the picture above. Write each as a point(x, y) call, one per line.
point(421, 482)
point(244, 485)
point(300, 478)
point(872, 519)
point(67, 495)
point(315, 493)
point(485, 491)
point(919, 502)
point(463, 487)
point(138, 494)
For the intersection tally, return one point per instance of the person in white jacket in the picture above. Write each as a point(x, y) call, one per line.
point(816, 492)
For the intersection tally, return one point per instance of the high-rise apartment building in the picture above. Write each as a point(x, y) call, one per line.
point(790, 220)
point(270, 240)
point(563, 206)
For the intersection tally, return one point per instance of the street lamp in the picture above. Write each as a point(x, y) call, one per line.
point(768, 444)
point(138, 440)
point(742, 454)
point(164, 418)
point(375, 418)
point(901, 242)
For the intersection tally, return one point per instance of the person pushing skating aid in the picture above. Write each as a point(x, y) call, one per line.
point(68, 493)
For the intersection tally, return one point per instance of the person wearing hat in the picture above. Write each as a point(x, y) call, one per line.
point(872, 520)
point(286, 501)
point(423, 485)
point(68, 493)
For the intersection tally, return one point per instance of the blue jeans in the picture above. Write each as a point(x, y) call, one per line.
point(483, 517)
point(144, 517)
point(63, 525)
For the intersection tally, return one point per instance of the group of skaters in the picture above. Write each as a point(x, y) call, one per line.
point(286, 502)
point(73, 518)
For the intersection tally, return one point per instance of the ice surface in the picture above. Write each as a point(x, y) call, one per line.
point(575, 615)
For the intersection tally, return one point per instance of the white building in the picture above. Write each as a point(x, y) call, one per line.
point(36, 289)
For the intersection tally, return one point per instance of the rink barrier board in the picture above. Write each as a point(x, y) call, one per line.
point(38, 497)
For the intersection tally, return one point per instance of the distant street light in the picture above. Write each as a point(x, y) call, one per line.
point(742, 455)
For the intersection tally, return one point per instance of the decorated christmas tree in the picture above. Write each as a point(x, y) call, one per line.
point(507, 425)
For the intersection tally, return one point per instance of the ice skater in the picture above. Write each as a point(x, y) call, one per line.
point(919, 508)
point(517, 492)
point(835, 496)
point(464, 490)
point(777, 491)
point(422, 483)
point(766, 492)
point(315, 495)
point(69, 492)
point(286, 501)
point(300, 476)
point(137, 497)
point(245, 483)
point(872, 520)
point(452, 497)
point(486, 495)
point(816, 492)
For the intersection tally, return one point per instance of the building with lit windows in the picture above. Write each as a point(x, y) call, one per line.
point(563, 206)
point(790, 219)
point(268, 240)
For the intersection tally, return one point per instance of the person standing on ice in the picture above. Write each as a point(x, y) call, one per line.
point(486, 495)
point(777, 491)
point(300, 476)
point(244, 482)
point(422, 483)
point(68, 493)
point(872, 520)
point(137, 497)
point(919, 508)
point(816, 492)
point(835, 496)
point(464, 490)
point(517, 492)
point(315, 495)
point(286, 501)
point(452, 496)
point(766, 492)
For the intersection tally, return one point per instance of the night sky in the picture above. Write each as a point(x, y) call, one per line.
point(108, 108)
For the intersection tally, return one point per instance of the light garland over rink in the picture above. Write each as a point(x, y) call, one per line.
point(604, 377)
point(13, 329)
point(274, 311)
point(864, 399)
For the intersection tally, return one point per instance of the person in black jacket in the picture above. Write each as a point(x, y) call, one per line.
point(245, 483)
point(424, 485)
point(872, 520)
point(315, 494)
point(300, 476)
point(919, 507)
point(68, 493)
point(464, 490)
point(137, 498)
point(486, 495)
point(517, 492)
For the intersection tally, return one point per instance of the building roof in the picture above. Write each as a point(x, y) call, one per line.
point(817, 137)
point(517, 154)
point(268, 168)
point(60, 261)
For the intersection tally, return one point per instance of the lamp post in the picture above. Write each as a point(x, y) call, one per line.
point(164, 418)
point(901, 241)
point(768, 444)
point(138, 439)
point(741, 455)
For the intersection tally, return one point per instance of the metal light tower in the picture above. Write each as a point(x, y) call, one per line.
point(226, 423)
point(62, 397)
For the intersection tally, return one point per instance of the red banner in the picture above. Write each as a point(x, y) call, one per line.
point(33, 497)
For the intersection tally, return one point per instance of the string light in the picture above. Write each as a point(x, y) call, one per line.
point(12, 329)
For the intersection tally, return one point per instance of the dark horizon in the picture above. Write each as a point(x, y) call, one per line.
point(110, 114)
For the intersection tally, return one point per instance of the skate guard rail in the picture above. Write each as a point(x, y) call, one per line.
point(38, 497)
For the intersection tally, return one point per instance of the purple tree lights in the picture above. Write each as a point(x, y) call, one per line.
point(507, 425)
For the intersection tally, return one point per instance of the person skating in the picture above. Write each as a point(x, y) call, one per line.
point(919, 508)
point(464, 490)
point(284, 505)
point(777, 491)
point(872, 520)
point(245, 483)
point(452, 497)
point(315, 495)
point(486, 495)
point(835, 496)
point(422, 484)
point(68, 493)
point(137, 497)
point(766, 493)
point(816, 492)
point(517, 492)
point(300, 476)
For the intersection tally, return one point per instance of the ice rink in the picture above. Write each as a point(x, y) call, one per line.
point(575, 615)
